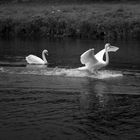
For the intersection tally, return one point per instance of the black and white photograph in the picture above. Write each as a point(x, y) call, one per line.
point(69, 70)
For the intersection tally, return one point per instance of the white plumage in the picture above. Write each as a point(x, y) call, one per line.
point(32, 59)
point(94, 62)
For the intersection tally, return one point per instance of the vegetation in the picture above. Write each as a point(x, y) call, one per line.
point(65, 1)
point(97, 21)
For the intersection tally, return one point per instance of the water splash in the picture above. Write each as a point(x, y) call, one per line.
point(2, 69)
point(102, 74)
point(108, 74)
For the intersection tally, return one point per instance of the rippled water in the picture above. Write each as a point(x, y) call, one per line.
point(61, 103)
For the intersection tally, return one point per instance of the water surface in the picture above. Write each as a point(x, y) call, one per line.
point(59, 102)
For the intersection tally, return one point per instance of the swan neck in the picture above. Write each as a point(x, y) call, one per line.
point(44, 58)
point(107, 56)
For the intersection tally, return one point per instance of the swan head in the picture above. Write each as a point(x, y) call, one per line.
point(111, 48)
point(91, 51)
point(107, 45)
point(45, 51)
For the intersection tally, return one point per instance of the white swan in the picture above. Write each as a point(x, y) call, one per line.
point(94, 62)
point(32, 59)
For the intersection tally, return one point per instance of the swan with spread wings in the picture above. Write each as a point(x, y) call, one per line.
point(94, 62)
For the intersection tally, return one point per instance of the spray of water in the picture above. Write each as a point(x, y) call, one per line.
point(102, 74)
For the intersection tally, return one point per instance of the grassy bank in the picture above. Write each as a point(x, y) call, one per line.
point(97, 21)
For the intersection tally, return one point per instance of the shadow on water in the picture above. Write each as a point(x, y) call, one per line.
point(51, 103)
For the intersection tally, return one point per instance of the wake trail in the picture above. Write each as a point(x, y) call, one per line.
point(102, 74)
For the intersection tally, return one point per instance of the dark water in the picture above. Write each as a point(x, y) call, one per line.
point(61, 103)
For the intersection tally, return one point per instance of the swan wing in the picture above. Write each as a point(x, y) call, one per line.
point(32, 59)
point(99, 56)
point(88, 58)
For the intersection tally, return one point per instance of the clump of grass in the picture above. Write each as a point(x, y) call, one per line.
point(83, 21)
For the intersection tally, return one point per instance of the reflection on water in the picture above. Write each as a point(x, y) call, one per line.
point(37, 107)
point(51, 103)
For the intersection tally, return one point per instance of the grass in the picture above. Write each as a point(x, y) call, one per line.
point(97, 21)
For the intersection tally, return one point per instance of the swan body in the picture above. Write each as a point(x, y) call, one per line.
point(94, 62)
point(32, 59)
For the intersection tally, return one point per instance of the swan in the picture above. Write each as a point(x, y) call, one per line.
point(32, 59)
point(94, 62)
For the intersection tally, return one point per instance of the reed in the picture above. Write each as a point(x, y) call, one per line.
point(97, 21)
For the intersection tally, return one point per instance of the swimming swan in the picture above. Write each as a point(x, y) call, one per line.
point(94, 62)
point(32, 59)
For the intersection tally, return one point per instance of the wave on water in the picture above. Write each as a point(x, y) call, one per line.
point(102, 74)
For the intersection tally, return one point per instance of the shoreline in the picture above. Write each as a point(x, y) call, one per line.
point(95, 21)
